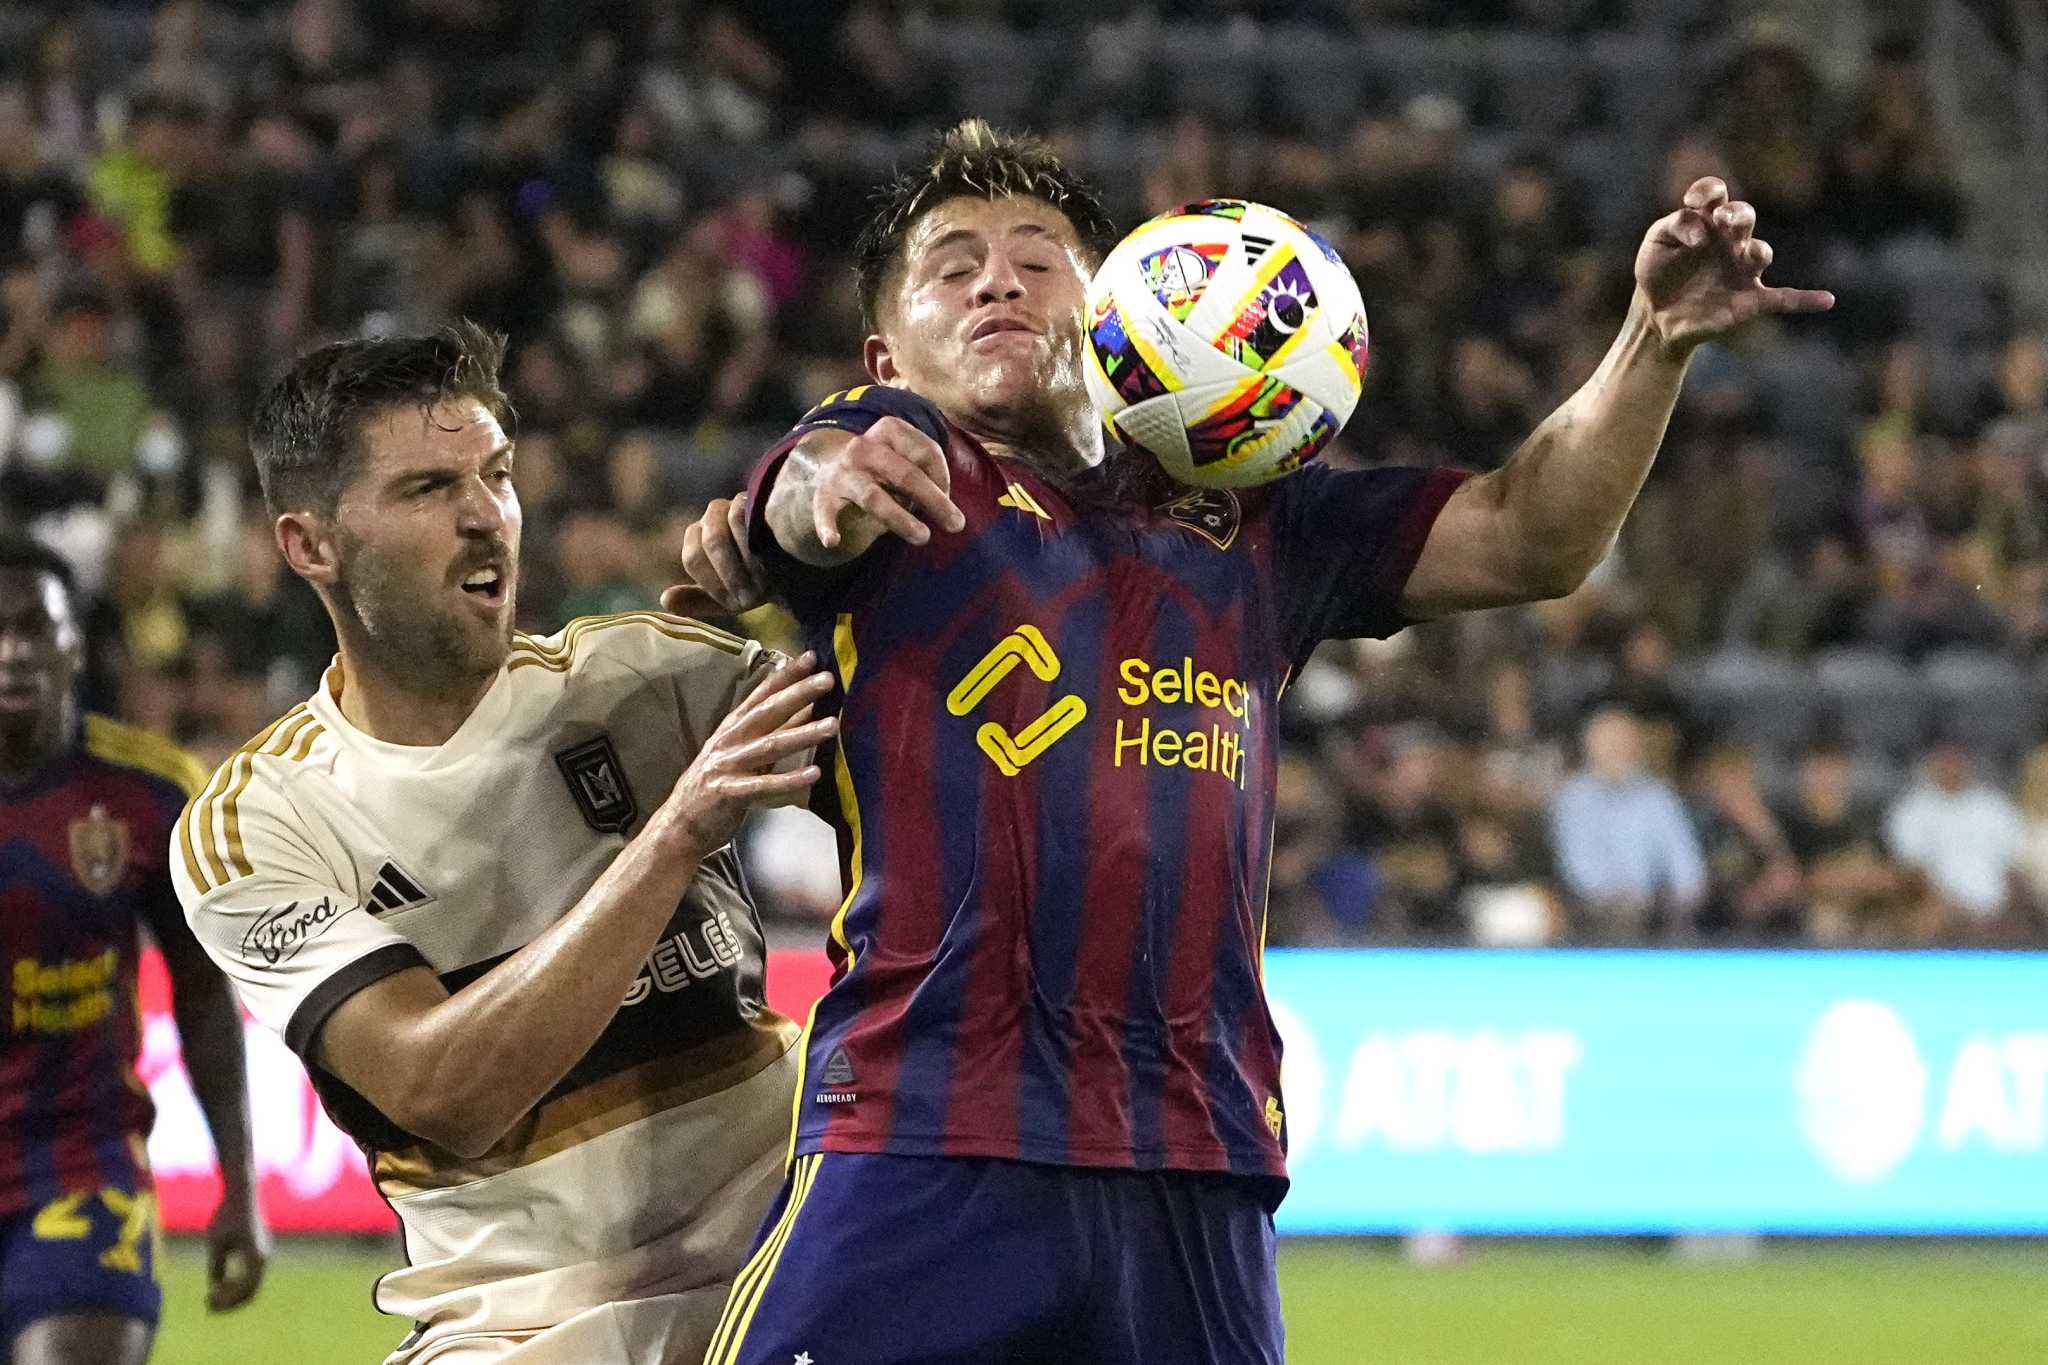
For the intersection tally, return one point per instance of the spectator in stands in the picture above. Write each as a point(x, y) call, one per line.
point(81, 380)
point(1888, 173)
point(1322, 893)
point(1643, 686)
point(1964, 842)
point(134, 182)
point(1799, 598)
point(265, 624)
point(1853, 892)
point(36, 197)
point(2033, 803)
point(601, 566)
point(1520, 766)
point(656, 202)
point(2019, 403)
point(1628, 855)
point(1398, 810)
point(1753, 882)
point(1506, 896)
point(1767, 110)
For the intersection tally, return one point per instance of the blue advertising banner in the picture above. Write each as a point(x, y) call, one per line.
point(1631, 1091)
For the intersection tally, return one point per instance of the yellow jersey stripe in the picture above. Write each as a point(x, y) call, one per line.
point(760, 1270)
point(238, 857)
point(847, 656)
point(305, 745)
point(558, 658)
point(658, 619)
point(796, 1099)
point(197, 825)
point(198, 817)
point(137, 748)
point(192, 868)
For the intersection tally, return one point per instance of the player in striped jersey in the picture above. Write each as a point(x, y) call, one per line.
point(86, 807)
point(1040, 1115)
point(482, 884)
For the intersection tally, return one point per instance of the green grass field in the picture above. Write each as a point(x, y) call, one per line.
point(1361, 1304)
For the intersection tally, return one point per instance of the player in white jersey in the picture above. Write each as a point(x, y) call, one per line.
point(482, 884)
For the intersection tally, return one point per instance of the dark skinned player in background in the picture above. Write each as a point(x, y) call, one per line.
point(86, 810)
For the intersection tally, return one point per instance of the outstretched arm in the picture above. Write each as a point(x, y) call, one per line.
point(1536, 527)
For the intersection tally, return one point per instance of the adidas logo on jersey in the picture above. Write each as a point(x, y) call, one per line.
point(395, 890)
point(838, 1070)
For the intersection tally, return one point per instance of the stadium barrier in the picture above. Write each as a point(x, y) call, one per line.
point(1582, 1092)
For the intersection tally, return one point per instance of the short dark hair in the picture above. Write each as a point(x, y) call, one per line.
point(307, 428)
point(21, 554)
point(975, 160)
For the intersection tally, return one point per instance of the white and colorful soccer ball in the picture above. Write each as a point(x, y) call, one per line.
point(1227, 339)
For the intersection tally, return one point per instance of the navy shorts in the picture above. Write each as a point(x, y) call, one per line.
point(894, 1260)
point(80, 1253)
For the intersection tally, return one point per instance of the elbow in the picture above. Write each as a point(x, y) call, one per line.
point(447, 1106)
point(1550, 580)
point(454, 1124)
point(1562, 571)
point(466, 1140)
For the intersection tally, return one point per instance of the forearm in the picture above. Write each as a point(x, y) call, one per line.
point(488, 1053)
point(210, 1034)
point(1564, 494)
point(792, 496)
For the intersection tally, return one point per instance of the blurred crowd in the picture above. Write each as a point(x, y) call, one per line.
point(1746, 729)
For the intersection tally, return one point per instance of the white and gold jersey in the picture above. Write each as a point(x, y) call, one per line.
point(320, 859)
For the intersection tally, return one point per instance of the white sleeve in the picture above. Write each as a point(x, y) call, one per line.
point(269, 913)
point(711, 674)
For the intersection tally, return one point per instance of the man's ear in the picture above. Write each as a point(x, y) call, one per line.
point(303, 540)
point(880, 364)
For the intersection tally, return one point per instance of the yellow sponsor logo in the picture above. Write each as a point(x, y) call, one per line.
point(63, 997)
point(1010, 752)
point(1216, 747)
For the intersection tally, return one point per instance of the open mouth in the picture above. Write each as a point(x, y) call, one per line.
point(486, 585)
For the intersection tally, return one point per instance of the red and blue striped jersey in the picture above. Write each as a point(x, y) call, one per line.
point(83, 846)
point(1053, 793)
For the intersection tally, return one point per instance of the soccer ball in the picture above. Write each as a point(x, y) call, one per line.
point(1228, 340)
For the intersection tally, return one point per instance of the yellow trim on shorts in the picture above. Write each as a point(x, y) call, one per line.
point(752, 1281)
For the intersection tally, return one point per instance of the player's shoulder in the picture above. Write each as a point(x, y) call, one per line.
point(248, 801)
point(858, 408)
point(156, 760)
point(644, 641)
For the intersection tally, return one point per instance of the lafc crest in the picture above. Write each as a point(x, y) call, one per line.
point(597, 780)
point(99, 850)
point(1211, 513)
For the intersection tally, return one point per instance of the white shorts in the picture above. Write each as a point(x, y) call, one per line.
point(669, 1329)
